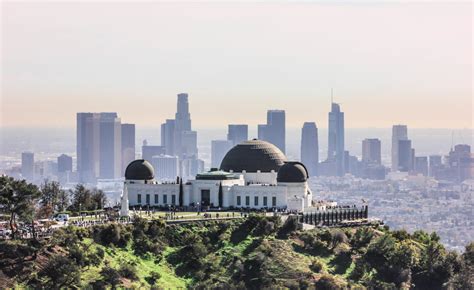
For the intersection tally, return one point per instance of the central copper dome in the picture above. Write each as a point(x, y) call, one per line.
point(253, 155)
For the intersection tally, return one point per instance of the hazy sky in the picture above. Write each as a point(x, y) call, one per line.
point(388, 63)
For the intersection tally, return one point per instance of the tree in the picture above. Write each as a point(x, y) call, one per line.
point(18, 199)
point(50, 193)
point(221, 196)
point(99, 199)
point(81, 198)
point(181, 192)
point(60, 272)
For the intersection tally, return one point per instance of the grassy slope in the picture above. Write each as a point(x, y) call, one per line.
point(117, 256)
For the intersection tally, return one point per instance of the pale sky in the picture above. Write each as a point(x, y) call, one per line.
point(390, 63)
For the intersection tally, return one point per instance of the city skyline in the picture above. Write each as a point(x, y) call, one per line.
point(238, 63)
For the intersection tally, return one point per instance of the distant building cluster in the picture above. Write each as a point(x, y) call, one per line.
point(105, 147)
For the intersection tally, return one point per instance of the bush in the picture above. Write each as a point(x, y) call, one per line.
point(153, 278)
point(128, 271)
point(110, 276)
point(111, 234)
point(316, 266)
point(60, 272)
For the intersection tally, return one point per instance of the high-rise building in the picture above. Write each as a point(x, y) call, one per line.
point(237, 133)
point(128, 145)
point(87, 146)
point(461, 162)
point(110, 144)
point(166, 167)
point(167, 136)
point(310, 147)
point(274, 130)
point(371, 151)
point(176, 134)
point(421, 165)
point(404, 155)
point(64, 163)
point(28, 165)
point(399, 132)
point(219, 149)
point(435, 164)
point(336, 138)
point(99, 146)
point(148, 151)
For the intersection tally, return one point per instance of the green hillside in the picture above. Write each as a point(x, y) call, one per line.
point(258, 252)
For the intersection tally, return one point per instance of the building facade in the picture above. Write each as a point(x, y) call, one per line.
point(310, 147)
point(274, 131)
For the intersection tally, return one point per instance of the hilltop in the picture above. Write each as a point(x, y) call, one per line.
point(257, 252)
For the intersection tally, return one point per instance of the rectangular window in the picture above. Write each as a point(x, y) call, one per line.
point(239, 202)
point(274, 201)
point(139, 198)
point(156, 199)
point(247, 200)
point(147, 199)
point(165, 199)
point(173, 199)
point(264, 201)
point(255, 200)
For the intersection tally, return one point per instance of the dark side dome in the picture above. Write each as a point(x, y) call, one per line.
point(139, 169)
point(253, 155)
point(292, 172)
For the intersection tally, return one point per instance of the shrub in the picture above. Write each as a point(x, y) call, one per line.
point(153, 278)
point(128, 271)
point(316, 266)
point(60, 272)
point(110, 276)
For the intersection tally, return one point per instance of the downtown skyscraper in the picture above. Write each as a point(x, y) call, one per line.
point(336, 138)
point(178, 139)
point(399, 132)
point(237, 133)
point(99, 146)
point(274, 131)
point(372, 151)
point(310, 147)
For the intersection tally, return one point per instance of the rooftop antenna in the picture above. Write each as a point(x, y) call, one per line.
point(332, 99)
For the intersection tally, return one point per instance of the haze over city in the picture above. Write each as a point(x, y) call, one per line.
point(245, 58)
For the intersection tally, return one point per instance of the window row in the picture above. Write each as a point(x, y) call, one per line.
point(156, 199)
point(256, 201)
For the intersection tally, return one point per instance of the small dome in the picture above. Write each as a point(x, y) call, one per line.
point(139, 170)
point(253, 155)
point(292, 172)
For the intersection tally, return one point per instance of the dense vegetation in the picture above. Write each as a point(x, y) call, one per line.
point(258, 252)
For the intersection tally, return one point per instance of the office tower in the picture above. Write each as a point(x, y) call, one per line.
point(148, 151)
point(421, 165)
point(399, 132)
point(219, 149)
point(110, 161)
point(28, 165)
point(167, 136)
point(166, 167)
point(87, 146)
point(237, 133)
point(336, 138)
point(371, 151)
point(128, 145)
point(274, 130)
point(176, 134)
point(435, 164)
point(64, 163)
point(461, 163)
point(190, 167)
point(310, 148)
point(404, 155)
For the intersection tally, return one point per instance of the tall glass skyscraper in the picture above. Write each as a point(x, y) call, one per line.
point(237, 133)
point(336, 138)
point(275, 129)
point(399, 132)
point(310, 148)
